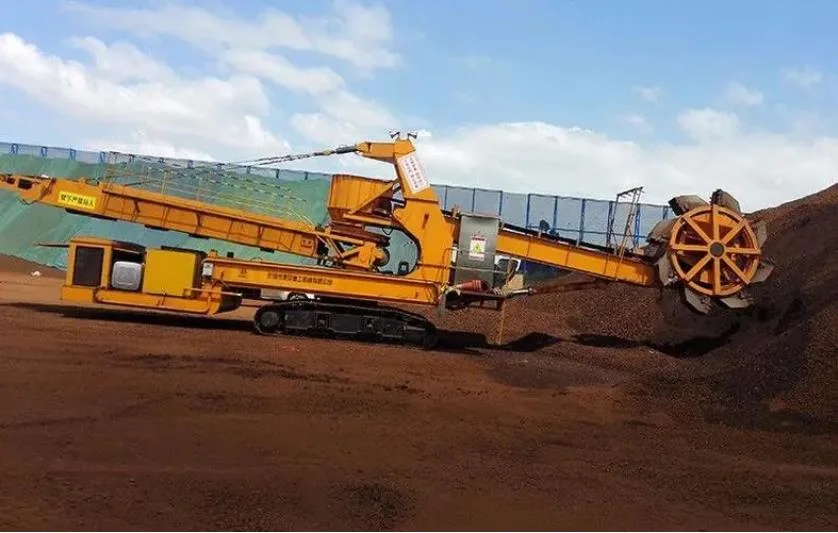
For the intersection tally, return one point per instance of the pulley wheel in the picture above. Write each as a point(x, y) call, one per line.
point(714, 250)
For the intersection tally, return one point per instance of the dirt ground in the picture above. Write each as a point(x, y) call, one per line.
point(132, 420)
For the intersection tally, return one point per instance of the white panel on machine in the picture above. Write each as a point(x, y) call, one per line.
point(414, 172)
point(127, 275)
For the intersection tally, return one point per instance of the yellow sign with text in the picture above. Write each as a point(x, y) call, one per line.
point(72, 199)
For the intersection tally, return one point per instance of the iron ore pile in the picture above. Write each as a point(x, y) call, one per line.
point(773, 367)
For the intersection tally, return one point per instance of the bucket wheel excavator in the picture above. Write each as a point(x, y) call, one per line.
point(709, 252)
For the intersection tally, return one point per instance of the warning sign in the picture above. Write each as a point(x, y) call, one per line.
point(77, 200)
point(477, 248)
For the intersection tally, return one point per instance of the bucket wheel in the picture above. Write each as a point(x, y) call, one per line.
point(711, 251)
point(714, 251)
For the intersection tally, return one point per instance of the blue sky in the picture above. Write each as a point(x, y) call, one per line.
point(532, 96)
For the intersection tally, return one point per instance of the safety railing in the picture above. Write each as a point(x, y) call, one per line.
point(216, 184)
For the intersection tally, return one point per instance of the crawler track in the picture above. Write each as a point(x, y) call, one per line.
point(345, 320)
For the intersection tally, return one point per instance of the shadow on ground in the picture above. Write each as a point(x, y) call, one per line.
point(689, 348)
point(461, 342)
point(454, 340)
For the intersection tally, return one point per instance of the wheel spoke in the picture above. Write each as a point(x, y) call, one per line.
point(735, 268)
point(743, 251)
point(714, 221)
point(734, 232)
point(717, 275)
point(693, 272)
point(678, 247)
point(696, 228)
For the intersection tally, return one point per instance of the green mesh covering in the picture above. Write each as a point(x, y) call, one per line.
point(23, 226)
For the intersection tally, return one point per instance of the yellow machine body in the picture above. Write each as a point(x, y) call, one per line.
point(192, 282)
point(171, 272)
point(93, 262)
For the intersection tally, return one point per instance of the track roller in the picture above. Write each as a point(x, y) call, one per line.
point(345, 320)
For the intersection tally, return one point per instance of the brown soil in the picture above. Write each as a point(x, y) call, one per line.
point(602, 409)
point(14, 265)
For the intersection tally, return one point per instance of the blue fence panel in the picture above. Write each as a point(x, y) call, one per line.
point(461, 197)
point(84, 156)
point(540, 208)
point(441, 194)
point(514, 209)
point(568, 217)
point(28, 149)
point(596, 221)
point(649, 215)
point(487, 202)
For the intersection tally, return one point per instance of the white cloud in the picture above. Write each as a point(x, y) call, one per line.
point(141, 144)
point(205, 111)
point(650, 94)
point(760, 169)
point(706, 123)
point(360, 35)
point(803, 76)
point(639, 122)
point(279, 70)
point(741, 95)
point(344, 118)
point(357, 34)
point(122, 61)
